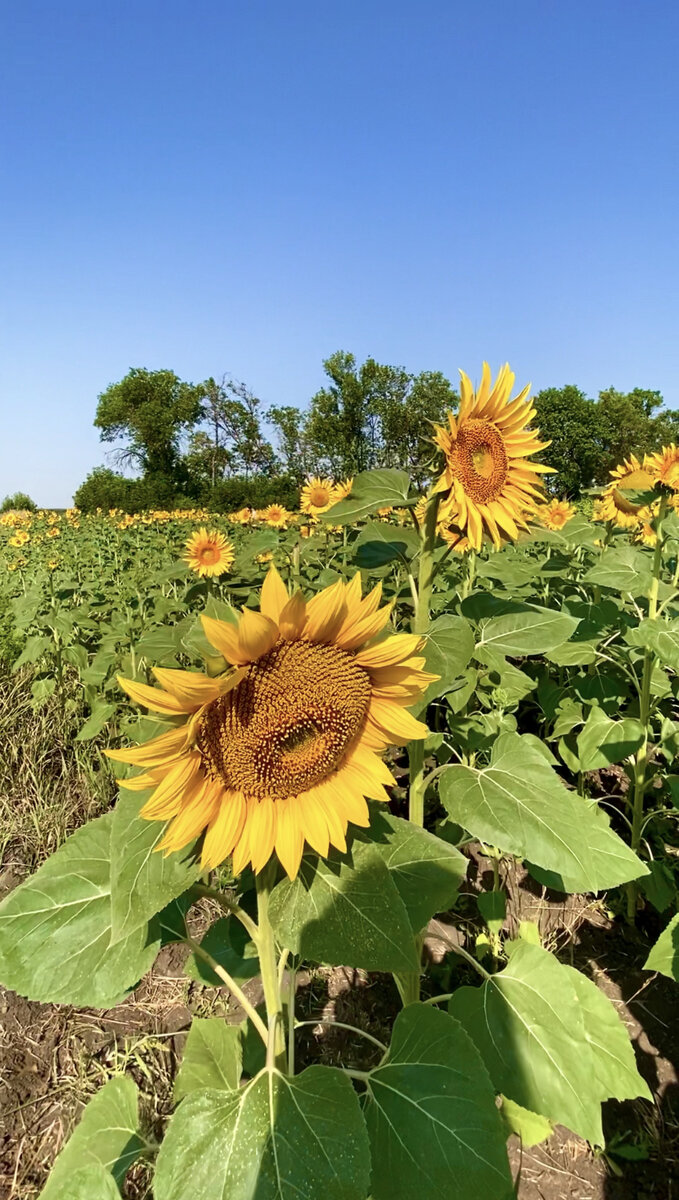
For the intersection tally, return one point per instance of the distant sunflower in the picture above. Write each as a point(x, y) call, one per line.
point(285, 748)
point(20, 538)
point(488, 481)
point(276, 516)
point(318, 495)
point(343, 489)
point(614, 505)
point(208, 552)
point(556, 514)
point(664, 466)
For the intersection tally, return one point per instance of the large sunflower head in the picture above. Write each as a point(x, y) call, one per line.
point(614, 505)
point(556, 514)
point(208, 552)
point(286, 747)
point(664, 466)
point(489, 483)
point(318, 495)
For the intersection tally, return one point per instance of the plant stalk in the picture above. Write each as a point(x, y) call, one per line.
point(268, 965)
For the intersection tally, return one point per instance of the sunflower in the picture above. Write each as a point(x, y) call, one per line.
point(645, 532)
point(242, 517)
point(487, 478)
point(20, 538)
point(556, 514)
point(664, 466)
point(285, 748)
point(318, 495)
point(276, 515)
point(614, 505)
point(53, 532)
point(343, 489)
point(208, 552)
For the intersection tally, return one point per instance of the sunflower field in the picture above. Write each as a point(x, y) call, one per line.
point(390, 734)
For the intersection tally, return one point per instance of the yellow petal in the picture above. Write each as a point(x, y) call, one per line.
point(155, 752)
point(397, 722)
point(192, 818)
point(289, 838)
point(325, 614)
point(224, 829)
point(389, 651)
point(152, 698)
point(262, 832)
point(313, 822)
point(139, 783)
point(274, 595)
point(352, 800)
point(356, 633)
point(293, 617)
point(224, 638)
point(256, 634)
point(191, 688)
point(167, 797)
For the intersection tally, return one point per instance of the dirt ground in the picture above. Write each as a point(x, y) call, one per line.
point(54, 1058)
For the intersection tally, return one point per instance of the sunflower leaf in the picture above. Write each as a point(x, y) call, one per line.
point(431, 1115)
point(345, 909)
point(143, 881)
point(212, 1057)
point(55, 929)
point(275, 1138)
point(106, 1142)
point(380, 543)
point(520, 804)
point(664, 956)
point(531, 632)
point(371, 490)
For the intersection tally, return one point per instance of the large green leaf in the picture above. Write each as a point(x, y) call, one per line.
point(614, 1064)
point(275, 1139)
point(143, 881)
point(380, 543)
point(430, 1110)
point(604, 741)
point(528, 1025)
point(370, 490)
point(426, 870)
point(107, 1138)
point(212, 1057)
point(532, 632)
point(664, 956)
point(520, 804)
point(447, 650)
point(662, 637)
point(88, 1183)
point(345, 909)
point(55, 929)
point(623, 569)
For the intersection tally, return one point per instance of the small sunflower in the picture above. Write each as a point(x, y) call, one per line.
point(20, 538)
point(343, 489)
point(488, 480)
point(284, 749)
point(53, 532)
point(614, 505)
point(664, 466)
point(276, 515)
point(318, 495)
point(208, 552)
point(556, 514)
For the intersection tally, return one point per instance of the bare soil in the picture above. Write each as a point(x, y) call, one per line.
point(54, 1058)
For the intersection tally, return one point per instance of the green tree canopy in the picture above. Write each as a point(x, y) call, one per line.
point(149, 411)
point(568, 419)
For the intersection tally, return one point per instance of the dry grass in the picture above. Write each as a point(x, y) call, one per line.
point(50, 784)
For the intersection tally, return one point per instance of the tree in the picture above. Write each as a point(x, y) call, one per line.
point(19, 502)
point(151, 410)
point(232, 442)
point(628, 422)
point(407, 416)
point(293, 448)
point(568, 419)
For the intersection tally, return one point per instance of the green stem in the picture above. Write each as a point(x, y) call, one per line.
point(641, 759)
point(232, 986)
point(230, 906)
point(268, 964)
point(420, 624)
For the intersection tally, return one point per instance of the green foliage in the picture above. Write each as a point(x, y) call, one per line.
point(149, 411)
point(19, 502)
point(104, 1145)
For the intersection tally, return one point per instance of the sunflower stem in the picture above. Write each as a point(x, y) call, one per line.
point(268, 965)
point(641, 758)
point(233, 987)
point(231, 906)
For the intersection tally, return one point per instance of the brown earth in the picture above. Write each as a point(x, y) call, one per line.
point(54, 1058)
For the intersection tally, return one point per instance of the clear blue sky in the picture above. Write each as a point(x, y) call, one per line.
point(212, 185)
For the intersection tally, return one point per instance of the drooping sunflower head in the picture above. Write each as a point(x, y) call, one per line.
point(664, 466)
point(318, 495)
point(285, 748)
point(276, 515)
point(614, 505)
point(208, 552)
point(489, 483)
point(556, 514)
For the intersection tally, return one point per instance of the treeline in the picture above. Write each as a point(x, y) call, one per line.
point(213, 444)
